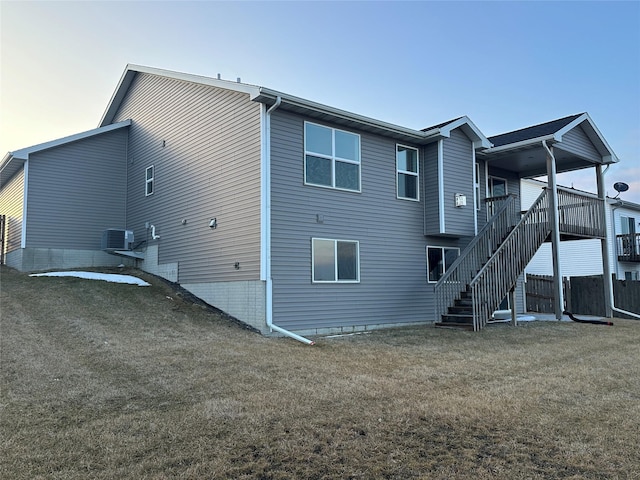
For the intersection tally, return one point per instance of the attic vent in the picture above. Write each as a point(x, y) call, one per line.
point(117, 239)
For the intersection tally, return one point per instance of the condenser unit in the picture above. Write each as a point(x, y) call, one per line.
point(117, 239)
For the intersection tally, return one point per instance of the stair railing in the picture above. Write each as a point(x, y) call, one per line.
point(456, 278)
point(500, 274)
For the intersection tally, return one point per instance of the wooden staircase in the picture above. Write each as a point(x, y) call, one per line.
point(487, 270)
point(460, 315)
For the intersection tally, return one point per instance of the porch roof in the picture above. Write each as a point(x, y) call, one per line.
point(576, 140)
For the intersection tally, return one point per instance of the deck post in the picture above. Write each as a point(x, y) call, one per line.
point(512, 303)
point(604, 245)
point(554, 220)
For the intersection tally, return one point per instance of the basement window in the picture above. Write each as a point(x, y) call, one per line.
point(335, 261)
point(148, 186)
point(439, 259)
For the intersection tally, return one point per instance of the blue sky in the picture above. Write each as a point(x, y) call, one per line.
point(506, 65)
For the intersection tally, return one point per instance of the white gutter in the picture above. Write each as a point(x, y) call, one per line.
point(266, 256)
point(610, 279)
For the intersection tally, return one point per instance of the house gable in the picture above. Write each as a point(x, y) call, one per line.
point(204, 143)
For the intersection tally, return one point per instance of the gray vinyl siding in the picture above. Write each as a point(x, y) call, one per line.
point(576, 141)
point(458, 178)
point(204, 143)
point(76, 191)
point(393, 287)
point(431, 193)
point(11, 205)
point(482, 212)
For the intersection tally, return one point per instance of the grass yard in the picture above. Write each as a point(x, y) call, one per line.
point(106, 381)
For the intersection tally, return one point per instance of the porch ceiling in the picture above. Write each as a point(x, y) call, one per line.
point(531, 160)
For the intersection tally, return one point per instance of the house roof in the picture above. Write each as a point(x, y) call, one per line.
point(535, 131)
point(12, 161)
point(302, 106)
point(523, 150)
point(552, 132)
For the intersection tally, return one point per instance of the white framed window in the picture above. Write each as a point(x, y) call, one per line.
point(331, 158)
point(335, 261)
point(439, 259)
point(627, 225)
point(149, 178)
point(407, 173)
point(497, 188)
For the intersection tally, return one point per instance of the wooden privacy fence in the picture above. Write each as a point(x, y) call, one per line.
point(540, 293)
point(583, 295)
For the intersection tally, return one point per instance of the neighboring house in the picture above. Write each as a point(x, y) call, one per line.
point(291, 215)
point(584, 257)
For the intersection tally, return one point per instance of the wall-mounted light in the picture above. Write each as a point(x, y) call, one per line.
point(213, 224)
point(460, 200)
point(236, 265)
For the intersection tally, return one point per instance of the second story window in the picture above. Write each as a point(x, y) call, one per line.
point(407, 172)
point(331, 158)
point(148, 186)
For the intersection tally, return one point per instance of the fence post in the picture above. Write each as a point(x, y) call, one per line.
point(566, 282)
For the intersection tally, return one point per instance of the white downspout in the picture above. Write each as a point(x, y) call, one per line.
point(267, 232)
point(610, 279)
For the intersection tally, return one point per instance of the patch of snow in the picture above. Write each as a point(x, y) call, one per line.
point(107, 277)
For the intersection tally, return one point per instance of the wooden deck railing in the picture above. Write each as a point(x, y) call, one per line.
point(581, 215)
point(628, 247)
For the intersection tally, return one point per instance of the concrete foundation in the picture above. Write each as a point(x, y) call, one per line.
point(243, 300)
point(34, 259)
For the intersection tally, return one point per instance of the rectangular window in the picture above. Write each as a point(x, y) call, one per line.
point(331, 158)
point(148, 186)
point(627, 225)
point(407, 173)
point(439, 259)
point(335, 261)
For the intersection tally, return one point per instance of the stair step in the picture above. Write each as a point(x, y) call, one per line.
point(458, 318)
point(463, 309)
point(464, 302)
point(457, 326)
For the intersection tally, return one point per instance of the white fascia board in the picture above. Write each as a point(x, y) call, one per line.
point(480, 141)
point(517, 145)
point(23, 154)
point(609, 156)
point(131, 70)
point(265, 94)
point(570, 126)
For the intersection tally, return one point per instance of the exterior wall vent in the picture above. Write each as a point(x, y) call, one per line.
point(117, 239)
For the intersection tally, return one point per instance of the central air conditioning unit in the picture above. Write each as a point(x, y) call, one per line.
point(117, 239)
